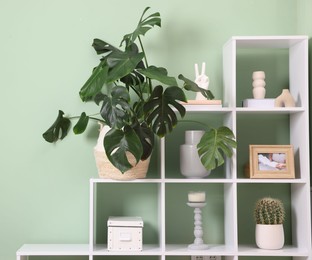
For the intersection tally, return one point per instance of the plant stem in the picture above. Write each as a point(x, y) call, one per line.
point(139, 94)
point(142, 47)
point(90, 117)
point(193, 121)
point(146, 63)
point(97, 119)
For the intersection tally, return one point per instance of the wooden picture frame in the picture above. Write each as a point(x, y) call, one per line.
point(271, 162)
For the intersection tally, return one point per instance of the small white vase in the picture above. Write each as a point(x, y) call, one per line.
point(190, 164)
point(258, 84)
point(258, 75)
point(270, 236)
point(258, 93)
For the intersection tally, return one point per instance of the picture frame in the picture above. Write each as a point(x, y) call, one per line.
point(271, 162)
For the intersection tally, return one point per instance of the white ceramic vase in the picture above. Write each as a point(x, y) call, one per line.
point(258, 84)
point(190, 164)
point(270, 236)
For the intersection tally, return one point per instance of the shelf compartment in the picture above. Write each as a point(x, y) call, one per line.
point(121, 199)
point(213, 216)
point(272, 129)
point(173, 142)
point(284, 57)
point(296, 199)
point(248, 195)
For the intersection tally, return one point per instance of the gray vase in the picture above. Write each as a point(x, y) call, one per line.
point(190, 164)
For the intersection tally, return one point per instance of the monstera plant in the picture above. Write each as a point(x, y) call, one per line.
point(138, 102)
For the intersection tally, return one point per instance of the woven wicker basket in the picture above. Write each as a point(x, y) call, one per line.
point(107, 171)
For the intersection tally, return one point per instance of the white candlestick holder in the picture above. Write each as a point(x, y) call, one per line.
point(198, 230)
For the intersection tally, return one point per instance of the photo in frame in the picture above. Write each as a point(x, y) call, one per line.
point(271, 162)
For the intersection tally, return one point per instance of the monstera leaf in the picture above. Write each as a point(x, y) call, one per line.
point(118, 142)
point(114, 66)
point(146, 136)
point(115, 109)
point(212, 144)
point(82, 123)
point(123, 63)
point(102, 47)
point(58, 130)
point(134, 79)
point(160, 109)
point(143, 26)
point(95, 82)
point(160, 74)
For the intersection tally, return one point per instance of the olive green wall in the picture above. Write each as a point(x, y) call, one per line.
point(45, 57)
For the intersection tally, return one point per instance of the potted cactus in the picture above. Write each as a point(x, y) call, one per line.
point(269, 216)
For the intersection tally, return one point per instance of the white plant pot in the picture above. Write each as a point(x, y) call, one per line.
point(270, 236)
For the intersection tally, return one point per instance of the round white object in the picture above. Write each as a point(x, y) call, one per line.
point(196, 196)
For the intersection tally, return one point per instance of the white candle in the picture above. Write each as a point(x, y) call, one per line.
point(198, 196)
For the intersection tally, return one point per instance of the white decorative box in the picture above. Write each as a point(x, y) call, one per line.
point(124, 234)
point(259, 103)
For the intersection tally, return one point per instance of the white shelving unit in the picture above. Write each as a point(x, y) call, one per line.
point(297, 47)
point(233, 183)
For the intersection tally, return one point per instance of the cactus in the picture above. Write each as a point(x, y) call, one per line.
point(269, 211)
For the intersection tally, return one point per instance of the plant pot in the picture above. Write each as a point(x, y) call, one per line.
point(107, 170)
point(270, 236)
point(190, 164)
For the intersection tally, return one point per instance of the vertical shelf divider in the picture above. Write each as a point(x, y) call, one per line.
point(92, 200)
point(162, 197)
